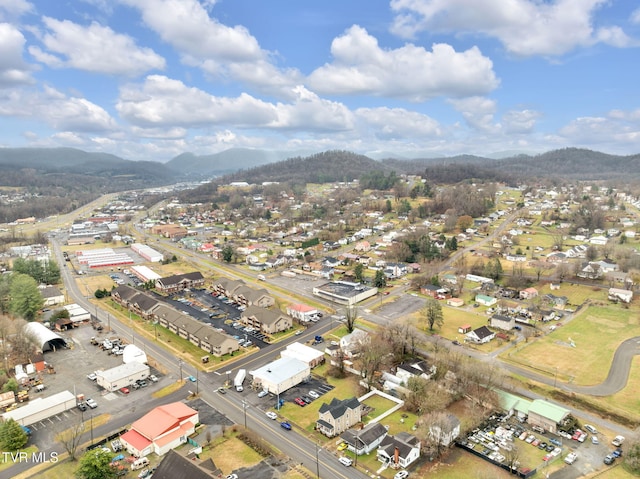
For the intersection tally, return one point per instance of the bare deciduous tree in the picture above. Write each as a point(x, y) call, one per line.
point(70, 438)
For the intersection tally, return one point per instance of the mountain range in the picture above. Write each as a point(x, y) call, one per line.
point(238, 164)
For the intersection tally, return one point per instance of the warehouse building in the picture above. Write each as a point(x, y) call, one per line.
point(40, 409)
point(280, 375)
point(122, 376)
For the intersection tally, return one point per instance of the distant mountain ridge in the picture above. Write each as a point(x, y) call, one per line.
point(255, 165)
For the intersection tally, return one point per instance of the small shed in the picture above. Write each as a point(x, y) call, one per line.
point(464, 329)
point(455, 302)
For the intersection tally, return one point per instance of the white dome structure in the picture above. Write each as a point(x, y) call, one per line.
point(133, 354)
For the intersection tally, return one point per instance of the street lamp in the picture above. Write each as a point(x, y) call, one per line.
point(317, 462)
point(228, 378)
point(180, 362)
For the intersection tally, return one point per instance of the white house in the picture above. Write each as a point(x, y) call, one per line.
point(399, 451)
point(446, 432)
point(352, 342)
point(616, 294)
point(415, 369)
point(480, 335)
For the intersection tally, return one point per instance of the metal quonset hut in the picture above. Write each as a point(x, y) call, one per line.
point(42, 408)
point(47, 339)
point(133, 354)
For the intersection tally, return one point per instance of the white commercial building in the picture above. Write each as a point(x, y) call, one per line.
point(122, 376)
point(42, 408)
point(77, 314)
point(145, 274)
point(280, 375)
point(147, 252)
point(304, 353)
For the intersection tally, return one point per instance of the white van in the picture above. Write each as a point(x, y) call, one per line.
point(139, 463)
point(591, 429)
point(346, 461)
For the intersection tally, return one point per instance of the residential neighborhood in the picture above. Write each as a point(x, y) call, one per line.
point(361, 318)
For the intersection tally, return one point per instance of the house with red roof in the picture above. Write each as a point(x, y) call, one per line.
point(164, 428)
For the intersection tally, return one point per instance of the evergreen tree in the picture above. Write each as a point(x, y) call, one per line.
point(227, 254)
point(380, 280)
point(26, 298)
point(358, 271)
point(12, 436)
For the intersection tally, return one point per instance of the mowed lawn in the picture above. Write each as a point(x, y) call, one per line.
point(576, 294)
point(453, 319)
point(596, 333)
point(628, 399)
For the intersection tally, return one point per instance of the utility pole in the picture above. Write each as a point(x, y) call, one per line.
point(244, 408)
point(317, 462)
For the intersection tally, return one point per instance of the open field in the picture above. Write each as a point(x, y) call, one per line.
point(596, 333)
point(231, 454)
point(627, 400)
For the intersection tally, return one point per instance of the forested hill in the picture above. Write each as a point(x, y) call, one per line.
point(329, 166)
point(573, 163)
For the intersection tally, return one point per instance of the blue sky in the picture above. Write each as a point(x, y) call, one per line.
point(151, 79)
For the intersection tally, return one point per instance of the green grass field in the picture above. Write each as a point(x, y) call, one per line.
point(596, 332)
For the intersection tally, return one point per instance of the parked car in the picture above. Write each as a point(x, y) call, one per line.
point(299, 402)
point(285, 425)
point(555, 442)
point(92, 404)
point(571, 458)
point(232, 476)
point(142, 383)
point(617, 453)
point(345, 461)
point(313, 394)
point(401, 475)
point(124, 390)
point(594, 440)
point(591, 429)
point(92, 376)
point(82, 406)
point(263, 393)
point(153, 378)
point(306, 399)
point(617, 441)
point(609, 459)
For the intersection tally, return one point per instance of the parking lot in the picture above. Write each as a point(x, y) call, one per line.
point(498, 438)
point(71, 368)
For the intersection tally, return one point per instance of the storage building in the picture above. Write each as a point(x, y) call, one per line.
point(280, 375)
point(42, 408)
point(122, 376)
point(304, 353)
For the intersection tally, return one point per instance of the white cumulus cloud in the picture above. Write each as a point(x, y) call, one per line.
point(93, 48)
point(524, 27)
point(13, 69)
point(360, 66)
